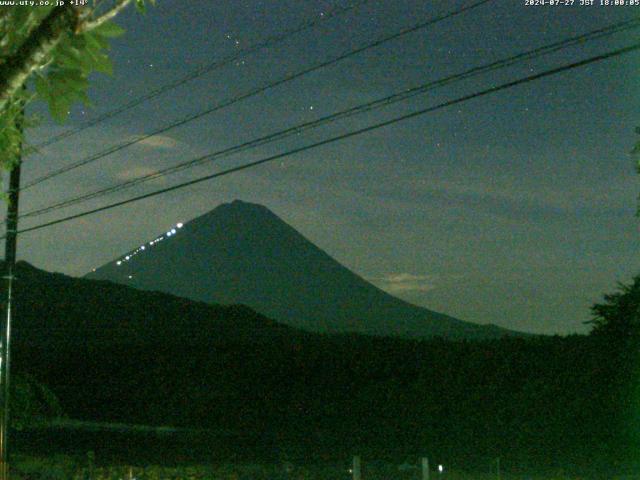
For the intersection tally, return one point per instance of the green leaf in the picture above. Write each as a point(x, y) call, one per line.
point(59, 108)
point(70, 81)
point(109, 30)
point(101, 63)
point(42, 87)
point(141, 6)
point(97, 40)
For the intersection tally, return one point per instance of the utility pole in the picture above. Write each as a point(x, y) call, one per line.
point(425, 468)
point(356, 472)
point(10, 263)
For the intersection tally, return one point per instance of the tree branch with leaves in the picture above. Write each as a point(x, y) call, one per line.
point(58, 47)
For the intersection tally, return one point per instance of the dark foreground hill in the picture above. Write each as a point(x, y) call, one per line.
point(113, 353)
point(242, 253)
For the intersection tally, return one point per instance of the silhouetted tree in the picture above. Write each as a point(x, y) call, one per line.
point(635, 152)
point(619, 314)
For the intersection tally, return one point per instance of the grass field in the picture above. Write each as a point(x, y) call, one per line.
point(68, 468)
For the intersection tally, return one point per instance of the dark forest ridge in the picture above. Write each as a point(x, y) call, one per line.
point(242, 253)
point(112, 353)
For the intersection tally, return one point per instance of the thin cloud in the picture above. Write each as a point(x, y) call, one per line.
point(157, 141)
point(134, 172)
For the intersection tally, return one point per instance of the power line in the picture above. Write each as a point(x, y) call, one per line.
point(375, 104)
point(343, 136)
point(204, 69)
point(252, 93)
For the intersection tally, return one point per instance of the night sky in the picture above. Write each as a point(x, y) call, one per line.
point(515, 209)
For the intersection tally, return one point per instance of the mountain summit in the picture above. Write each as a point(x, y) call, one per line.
point(242, 253)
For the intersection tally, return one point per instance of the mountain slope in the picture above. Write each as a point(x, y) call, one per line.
point(114, 353)
point(62, 310)
point(242, 253)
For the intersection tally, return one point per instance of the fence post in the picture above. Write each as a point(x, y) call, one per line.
point(356, 469)
point(425, 468)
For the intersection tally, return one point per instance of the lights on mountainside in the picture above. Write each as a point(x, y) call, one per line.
point(172, 231)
